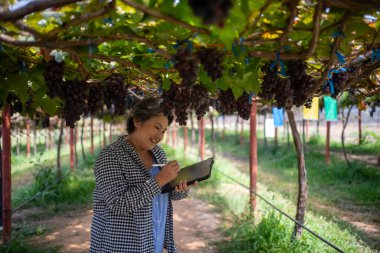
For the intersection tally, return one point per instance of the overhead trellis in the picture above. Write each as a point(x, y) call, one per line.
point(140, 38)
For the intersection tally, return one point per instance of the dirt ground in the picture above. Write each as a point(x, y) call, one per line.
point(195, 228)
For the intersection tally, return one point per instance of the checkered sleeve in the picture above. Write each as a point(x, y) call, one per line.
point(120, 197)
point(178, 195)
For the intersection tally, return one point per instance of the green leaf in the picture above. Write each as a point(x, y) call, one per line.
point(203, 76)
point(166, 83)
point(222, 83)
point(50, 105)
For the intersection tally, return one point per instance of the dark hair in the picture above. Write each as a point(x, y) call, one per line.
point(145, 109)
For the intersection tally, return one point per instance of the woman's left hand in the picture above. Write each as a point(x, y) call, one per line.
point(183, 187)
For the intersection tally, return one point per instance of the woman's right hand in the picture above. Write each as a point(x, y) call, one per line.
point(168, 173)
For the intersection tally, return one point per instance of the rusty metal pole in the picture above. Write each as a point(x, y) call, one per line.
point(6, 172)
point(185, 139)
point(328, 124)
point(202, 138)
point(253, 156)
point(72, 153)
point(92, 135)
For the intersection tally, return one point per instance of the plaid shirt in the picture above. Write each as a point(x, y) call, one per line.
point(123, 199)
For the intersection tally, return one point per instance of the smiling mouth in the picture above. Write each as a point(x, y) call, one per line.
point(154, 141)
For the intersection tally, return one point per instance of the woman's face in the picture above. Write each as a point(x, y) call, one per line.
point(149, 133)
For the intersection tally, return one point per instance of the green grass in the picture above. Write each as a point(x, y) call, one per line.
point(268, 231)
point(352, 189)
point(31, 176)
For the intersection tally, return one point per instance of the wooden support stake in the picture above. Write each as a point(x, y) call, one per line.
point(253, 156)
point(72, 153)
point(202, 138)
point(185, 139)
point(328, 124)
point(92, 135)
point(360, 125)
point(6, 173)
point(27, 123)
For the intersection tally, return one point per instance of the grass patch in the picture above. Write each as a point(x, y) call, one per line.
point(268, 231)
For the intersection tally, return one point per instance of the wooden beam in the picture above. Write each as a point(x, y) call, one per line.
point(32, 6)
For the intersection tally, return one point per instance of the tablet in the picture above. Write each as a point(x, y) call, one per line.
point(196, 172)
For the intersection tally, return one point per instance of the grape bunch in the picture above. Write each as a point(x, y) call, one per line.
point(53, 76)
point(200, 100)
point(212, 62)
point(309, 102)
point(339, 81)
point(95, 98)
point(167, 97)
point(211, 11)
point(226, 102)
point(287, 91)
point(187, 66)
point(244, 106)
point(300, 81)
point(15, 102)
point(182, 102)
point(270, 82)
point(45, 121)
point(75, 100)
point(115, 94)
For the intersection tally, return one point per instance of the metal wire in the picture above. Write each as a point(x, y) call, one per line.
point(283, 213)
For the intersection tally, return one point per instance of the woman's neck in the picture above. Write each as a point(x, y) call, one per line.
point(131, 140)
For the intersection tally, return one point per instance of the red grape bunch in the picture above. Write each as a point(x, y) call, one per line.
point(300, 81)
point(212, 60)
point(211, 11)
point(95, 98)
point(167, 96)
point(200, 98)
point(15, 102)
point(226, 102)
point(244, 106)
point(53, 75)
point(187, 66)
point(75, 100)
point(182, 102)
point(115, 93)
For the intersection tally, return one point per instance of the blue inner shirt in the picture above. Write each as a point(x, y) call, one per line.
point(160, 208)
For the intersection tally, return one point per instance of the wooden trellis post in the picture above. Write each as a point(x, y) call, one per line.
point(253, 155)
point(202, 138)
point(72, 155)
point(27, 123)
point(6, 172)
point(92, 135)
point(328, 124)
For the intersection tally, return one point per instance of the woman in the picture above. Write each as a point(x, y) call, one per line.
point(130, 212)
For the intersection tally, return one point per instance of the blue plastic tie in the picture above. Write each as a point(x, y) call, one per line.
point(176, 45)
point(331, 87)
point(234, 50)
point(375, 54)
point(160, 89)
point(195, 35)
point(107, 20)
point(251, 94)
point(246, 60)
point(151, 50)
point(167, 65)
point(22, 66)
point(280, 62)
point(340, 57)
point(338, 34)
point(189, 45)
